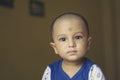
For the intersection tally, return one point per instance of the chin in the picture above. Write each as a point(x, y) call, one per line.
point(74, 59)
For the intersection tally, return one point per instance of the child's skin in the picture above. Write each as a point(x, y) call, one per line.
point(71, 42)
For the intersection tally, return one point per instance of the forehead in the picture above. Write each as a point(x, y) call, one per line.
point(69, 26)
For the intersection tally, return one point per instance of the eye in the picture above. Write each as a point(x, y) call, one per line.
point(78, 37)
point(62, 39)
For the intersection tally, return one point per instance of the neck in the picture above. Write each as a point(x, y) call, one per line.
point(73, 63)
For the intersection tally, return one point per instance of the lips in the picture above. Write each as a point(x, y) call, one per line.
point(72, 52)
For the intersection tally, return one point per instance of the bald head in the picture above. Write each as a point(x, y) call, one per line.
point(69, 16)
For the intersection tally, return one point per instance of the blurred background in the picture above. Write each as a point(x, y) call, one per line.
point(24, 36)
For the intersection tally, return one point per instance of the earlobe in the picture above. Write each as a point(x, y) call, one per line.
point(52, 44)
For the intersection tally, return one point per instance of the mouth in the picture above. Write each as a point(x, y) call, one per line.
point(72, 52)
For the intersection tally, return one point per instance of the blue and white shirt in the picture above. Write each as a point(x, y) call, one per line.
point(88, 71)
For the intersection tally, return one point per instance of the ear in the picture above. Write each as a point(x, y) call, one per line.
point(52, 44)
point(89, 42)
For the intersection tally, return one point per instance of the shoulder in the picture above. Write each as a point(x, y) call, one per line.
point(47, 73)
point(88, 62)
point(50, 69)
point(55, 65)
point(95, 73)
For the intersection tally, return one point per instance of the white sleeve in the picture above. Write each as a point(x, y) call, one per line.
point(95, 73)
point(47, 74)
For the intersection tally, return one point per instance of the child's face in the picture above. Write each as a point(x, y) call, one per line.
point(71, 40)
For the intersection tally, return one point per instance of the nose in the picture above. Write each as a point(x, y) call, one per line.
point(71, 43)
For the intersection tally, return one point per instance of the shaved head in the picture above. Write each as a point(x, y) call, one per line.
point(69, 16)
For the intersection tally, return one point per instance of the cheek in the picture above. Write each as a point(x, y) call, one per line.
point(61, 48)
point(82, 45)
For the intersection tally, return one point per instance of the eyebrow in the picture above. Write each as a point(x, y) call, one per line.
point(59, 35)
point(81, 32)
